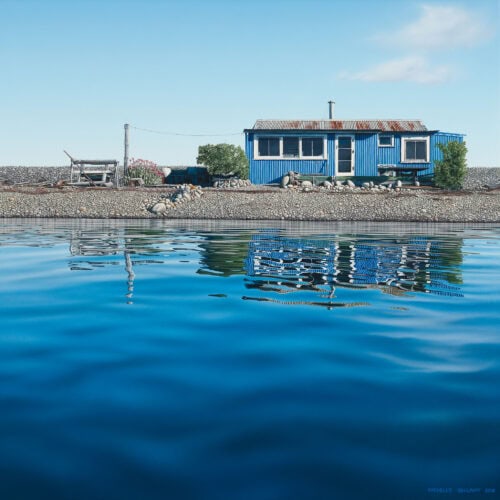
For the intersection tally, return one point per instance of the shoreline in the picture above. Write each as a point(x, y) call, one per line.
point(253, 203)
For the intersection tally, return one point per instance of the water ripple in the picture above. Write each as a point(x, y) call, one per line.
point(155, 359)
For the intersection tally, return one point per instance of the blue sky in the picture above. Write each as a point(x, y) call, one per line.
point(73, 72)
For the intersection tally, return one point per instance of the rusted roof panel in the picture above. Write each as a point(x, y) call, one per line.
point(332, 125)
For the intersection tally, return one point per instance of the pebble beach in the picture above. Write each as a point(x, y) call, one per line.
point(478, 202)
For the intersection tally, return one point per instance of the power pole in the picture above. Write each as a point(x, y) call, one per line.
point(125, 156)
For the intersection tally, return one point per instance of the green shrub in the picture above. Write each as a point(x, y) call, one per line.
point(146, 170)
point(223, 159)
point(451, 170)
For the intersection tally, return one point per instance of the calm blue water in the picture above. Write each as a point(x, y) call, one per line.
point(148, 359)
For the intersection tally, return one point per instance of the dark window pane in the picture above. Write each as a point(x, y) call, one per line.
point(291, 147)
point(269, 146)
point(312, 146)
point(263, 146)
point(344, 154)
point(307, 147)
point(410, 150)
point(344, 142)
point(421, 150)
point(274, 147)
point(385, 140)
point(317, 143)
point(344, 166)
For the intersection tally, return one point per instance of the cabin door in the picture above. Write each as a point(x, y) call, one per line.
point(344, 154)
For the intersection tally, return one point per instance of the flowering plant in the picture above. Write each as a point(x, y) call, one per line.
point(146, 170)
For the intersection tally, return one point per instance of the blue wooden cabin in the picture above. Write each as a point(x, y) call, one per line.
point(341, 148)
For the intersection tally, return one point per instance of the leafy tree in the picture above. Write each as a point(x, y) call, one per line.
point(451, 170)
point(223, 159)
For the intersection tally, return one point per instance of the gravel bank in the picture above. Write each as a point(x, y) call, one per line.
point(255, 203)
point(476, 178)
point(479, 203)
point(34, 175)
point(481, 178)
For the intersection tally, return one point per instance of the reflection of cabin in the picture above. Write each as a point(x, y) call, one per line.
point(287, 263)
point(93, 172)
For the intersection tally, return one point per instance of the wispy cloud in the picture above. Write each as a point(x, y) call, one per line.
point(414, 69)
point(435, 27)
point(439, 27)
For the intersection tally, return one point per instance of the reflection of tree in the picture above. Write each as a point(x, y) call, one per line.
point(276, 264)
point(451, 260)
point(146, 240)
point(224, 255)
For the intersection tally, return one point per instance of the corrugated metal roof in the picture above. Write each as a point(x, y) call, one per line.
point(378, 125)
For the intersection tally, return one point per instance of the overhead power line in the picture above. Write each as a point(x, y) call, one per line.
point(184, 135)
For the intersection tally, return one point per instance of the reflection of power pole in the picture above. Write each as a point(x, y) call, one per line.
point(131, 276)
point(125, 155)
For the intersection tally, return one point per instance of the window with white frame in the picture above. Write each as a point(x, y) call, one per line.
point(312, 146)
point(269, 146)
point(385, 141)
point(414, 150)
point(289, 147)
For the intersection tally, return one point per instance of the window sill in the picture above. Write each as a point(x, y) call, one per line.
point(290, 158)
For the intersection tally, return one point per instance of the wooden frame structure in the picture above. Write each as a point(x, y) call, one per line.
point(93, 172)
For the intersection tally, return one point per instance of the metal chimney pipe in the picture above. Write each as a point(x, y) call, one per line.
point(331, 105)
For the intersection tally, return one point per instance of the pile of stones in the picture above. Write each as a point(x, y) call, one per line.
point(365, 186)
point(293, 181)
point(232, 182)
point(183, 194)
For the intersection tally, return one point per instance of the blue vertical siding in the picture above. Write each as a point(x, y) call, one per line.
point(249, 149)
point(368, 155)
point(271, 171)
point(365, 151)
point(441, 138)
point(392, 155)
point(330, 150)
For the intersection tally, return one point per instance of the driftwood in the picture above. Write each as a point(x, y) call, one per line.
point(30, 183)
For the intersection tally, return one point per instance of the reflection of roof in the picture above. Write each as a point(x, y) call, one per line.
point(358, 125)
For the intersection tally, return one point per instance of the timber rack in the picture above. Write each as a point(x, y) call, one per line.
point(93, 172)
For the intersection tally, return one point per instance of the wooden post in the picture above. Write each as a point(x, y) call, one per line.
point(125, 156)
